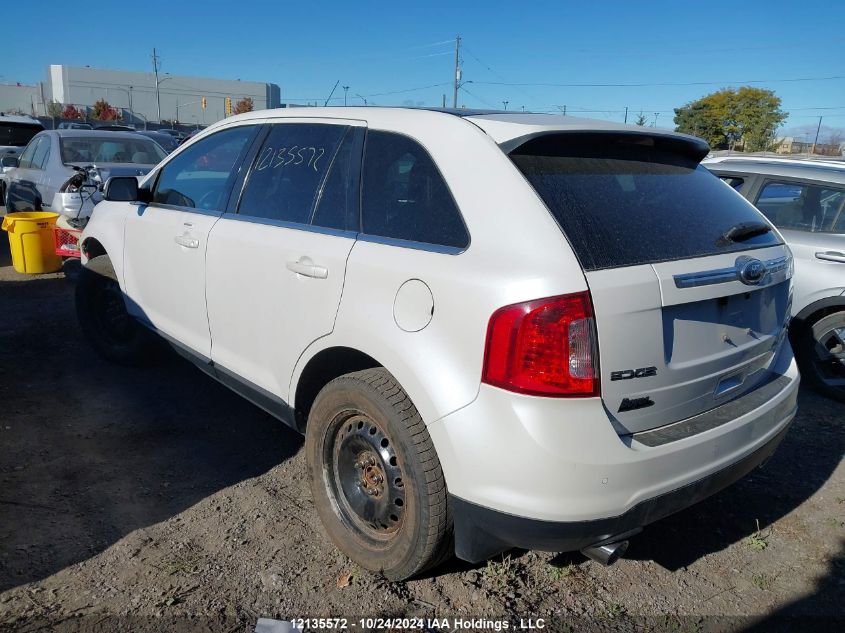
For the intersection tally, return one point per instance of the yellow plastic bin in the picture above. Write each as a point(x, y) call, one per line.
point(31, 241)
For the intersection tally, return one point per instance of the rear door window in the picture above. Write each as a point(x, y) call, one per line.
point(803, 207)
point(288, 172)
point(42, 151)
point(404, 196)
point(625, 203)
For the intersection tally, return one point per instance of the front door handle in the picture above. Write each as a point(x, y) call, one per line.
point(832, 256)
point(307, 268)
point(187, 241)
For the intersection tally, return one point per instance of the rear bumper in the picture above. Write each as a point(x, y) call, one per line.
point(482, 532)
point(542, 473)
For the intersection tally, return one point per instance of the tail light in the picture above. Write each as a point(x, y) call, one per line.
point(545, 347)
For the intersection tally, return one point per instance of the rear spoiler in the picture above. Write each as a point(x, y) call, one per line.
point(690, 147)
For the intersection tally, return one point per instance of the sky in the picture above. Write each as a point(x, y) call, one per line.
point(402, 53)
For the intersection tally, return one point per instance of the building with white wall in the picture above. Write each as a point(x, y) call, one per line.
point(136, 94)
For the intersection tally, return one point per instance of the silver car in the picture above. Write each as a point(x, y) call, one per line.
point(50, 159)
point(805, 199)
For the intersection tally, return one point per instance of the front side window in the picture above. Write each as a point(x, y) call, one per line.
point(289, 170)
point(803, 207)
point(405, 197)
point(200, 176)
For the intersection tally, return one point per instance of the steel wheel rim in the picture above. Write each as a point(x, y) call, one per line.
point(830, 357)
point(364, 477)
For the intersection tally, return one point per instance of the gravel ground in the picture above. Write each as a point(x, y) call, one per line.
point(157, 500)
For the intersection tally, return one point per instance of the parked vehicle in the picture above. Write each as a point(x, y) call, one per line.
point(73, 125)
point(16, 132)
point(168, 143)
point(54, 156)
point(179, 135)
point(806, 201)
point(496, 330)
point(115, 127)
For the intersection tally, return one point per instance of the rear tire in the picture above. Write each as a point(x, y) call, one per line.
point(375, 476)
point(821, 355)
point(102, 315)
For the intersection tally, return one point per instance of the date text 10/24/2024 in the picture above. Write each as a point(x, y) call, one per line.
point(423, 624)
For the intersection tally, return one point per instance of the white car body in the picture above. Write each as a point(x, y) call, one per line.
point(264, 306)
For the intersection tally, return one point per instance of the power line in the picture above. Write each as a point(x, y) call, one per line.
point(648, 85)
point(396, 92)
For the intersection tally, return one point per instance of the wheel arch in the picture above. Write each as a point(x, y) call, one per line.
point(817, 310)
point(321, 368)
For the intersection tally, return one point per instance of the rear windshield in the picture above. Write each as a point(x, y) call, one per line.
point(17, 134)
point(101, 149)
point(623, 204)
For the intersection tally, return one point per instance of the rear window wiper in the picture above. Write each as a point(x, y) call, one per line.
point(742, 231)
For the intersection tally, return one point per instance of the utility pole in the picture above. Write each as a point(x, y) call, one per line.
point(626, 114)
point(345, 90)
point(818, 129)
point(444, 101)
point(457, 70)
point(158, 95)
point(562, 109)
point(131, 114)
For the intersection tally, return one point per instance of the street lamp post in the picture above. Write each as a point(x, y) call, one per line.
point(345, 90)
point(505, 103)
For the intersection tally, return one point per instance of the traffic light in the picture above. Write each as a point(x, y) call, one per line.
point(228, 106)
point(204, 103)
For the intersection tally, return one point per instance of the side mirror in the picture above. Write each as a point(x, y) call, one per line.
point(10, 161)
point(124, 189)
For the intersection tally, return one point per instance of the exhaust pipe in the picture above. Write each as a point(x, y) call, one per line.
point(606, 554)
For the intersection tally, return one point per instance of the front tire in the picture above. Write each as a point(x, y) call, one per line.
point(102, 315)
point(375, 476)
point(821, 355)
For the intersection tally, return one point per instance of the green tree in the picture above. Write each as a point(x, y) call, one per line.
point(733, 116)
point(54, 109)
point(641, 120)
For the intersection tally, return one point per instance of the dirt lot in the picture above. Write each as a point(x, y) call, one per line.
point(157, 500)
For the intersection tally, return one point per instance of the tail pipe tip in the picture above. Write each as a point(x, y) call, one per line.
point(606, 554)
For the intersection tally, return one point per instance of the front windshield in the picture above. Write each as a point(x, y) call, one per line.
point(89, 149)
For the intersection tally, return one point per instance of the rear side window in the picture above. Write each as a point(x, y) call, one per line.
point(803, 207)
point(404, 196)
point(733, 181)
point(200, 175)
point(622, 203)
point(288, 172)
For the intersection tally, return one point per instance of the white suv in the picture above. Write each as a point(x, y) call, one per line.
point(495, 330)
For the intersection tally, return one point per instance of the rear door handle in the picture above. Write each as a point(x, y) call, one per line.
point(832, 256)
point(187, 241)
point(307, 268)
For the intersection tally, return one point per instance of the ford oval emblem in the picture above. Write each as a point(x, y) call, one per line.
point(750, 270)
